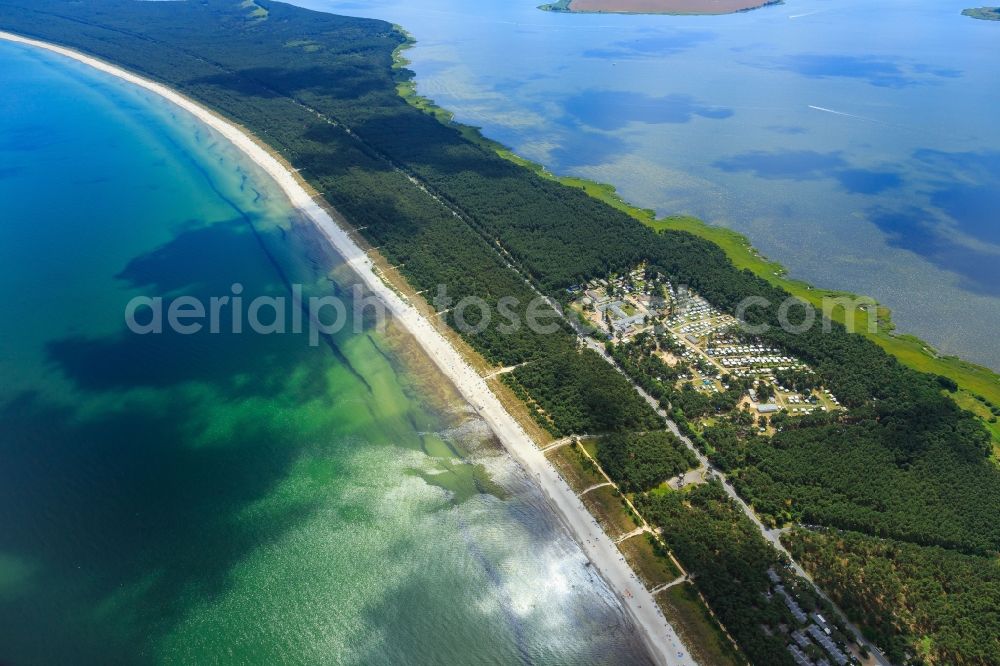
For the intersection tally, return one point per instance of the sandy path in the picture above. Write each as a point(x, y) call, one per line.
point(659, 636)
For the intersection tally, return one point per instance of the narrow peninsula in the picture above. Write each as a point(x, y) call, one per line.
point(704, 7)
point(983, 13)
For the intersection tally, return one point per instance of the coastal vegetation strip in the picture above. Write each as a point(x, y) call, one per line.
point(646, 554)
point(683, 608)
point(655, 569)
point(447, 210)
point(921, 588)
point(650, 557)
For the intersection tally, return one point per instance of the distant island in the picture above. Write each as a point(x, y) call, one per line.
point(659, 6)
point(983, 13)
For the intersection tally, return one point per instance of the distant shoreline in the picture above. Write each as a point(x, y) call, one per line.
point(668, 7)
point(658, 635)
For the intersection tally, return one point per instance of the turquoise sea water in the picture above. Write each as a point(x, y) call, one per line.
point(854, 142)
point(222, 498)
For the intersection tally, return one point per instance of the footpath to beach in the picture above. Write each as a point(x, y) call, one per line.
point(661, 639)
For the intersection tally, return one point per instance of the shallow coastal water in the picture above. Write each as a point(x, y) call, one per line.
point(220, 497)
point(854, 143)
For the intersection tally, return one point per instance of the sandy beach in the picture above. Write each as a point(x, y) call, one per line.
point(659, 636)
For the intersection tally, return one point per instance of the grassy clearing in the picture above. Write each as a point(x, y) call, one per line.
point(307, 45)
point(652, 568)
point(699, 630)
point(577, 470)
point(605, 505)
point(968, 401)
point(257, 13)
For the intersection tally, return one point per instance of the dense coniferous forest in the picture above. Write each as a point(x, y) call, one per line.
point(729, 559)
point(574, 394)
point(642, 461)
point(903, 462)
point(940, 604)
point(822, 474)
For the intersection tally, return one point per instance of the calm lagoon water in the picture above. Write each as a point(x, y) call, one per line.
point(234, 498)
point(855, 142)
